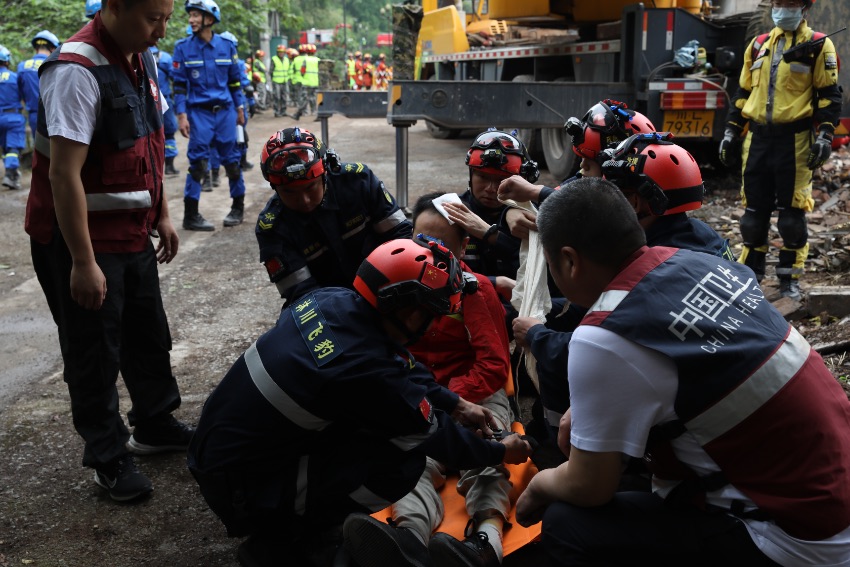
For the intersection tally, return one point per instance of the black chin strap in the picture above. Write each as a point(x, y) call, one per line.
point(410, 337)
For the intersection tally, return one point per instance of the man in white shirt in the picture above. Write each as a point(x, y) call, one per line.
point(682, 361)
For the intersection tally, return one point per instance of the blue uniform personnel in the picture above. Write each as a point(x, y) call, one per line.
point(207, 89)
point(207, 86)
point(303, 252)
point(12, 123)
point(169, 120)
point(28, 85)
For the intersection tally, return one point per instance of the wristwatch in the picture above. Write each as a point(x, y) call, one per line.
point(494, 228)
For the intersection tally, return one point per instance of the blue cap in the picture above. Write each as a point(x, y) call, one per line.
point(92, 8)
point(230, 37)
point(206, 6)
point(45, 36)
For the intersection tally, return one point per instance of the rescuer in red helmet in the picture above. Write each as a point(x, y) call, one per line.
point(325, 415)
point(324, 217)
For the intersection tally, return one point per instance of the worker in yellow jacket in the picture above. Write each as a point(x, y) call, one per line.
point(790, 99)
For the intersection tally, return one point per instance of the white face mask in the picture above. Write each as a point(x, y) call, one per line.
point(787, 19)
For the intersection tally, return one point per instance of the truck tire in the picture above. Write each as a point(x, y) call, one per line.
point(557, 150)
point(529, 136)
point(439, 132)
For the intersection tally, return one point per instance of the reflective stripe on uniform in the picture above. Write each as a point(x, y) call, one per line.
point(88, 51)
point(114, 201)
point(317, 253)
point(408, 442)
point(42, 144)
point(277, 397)
point(300, 504)
point(391, 221)
point(369, 499)
point(754, 392)
point(609, 300)
point(353, 231)
point(292, 279)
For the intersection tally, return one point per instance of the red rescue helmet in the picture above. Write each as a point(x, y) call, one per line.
point(501, 154)
point(280, 48)
point(293, 157)
point(604, 126)
point(260, 53)
point(662, 173)
point(407, 273)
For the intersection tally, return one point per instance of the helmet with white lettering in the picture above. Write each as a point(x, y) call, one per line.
point(92, 8)
point(293, 157)
point(46, 39)
point(501, 154)
point(664, 174)
point(406, 273)
point(205, 6)
point(605, 125)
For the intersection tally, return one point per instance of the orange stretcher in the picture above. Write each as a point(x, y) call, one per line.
point(456, 518)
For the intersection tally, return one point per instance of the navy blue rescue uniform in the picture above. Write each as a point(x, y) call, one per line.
point(303, 252)
point(551, 348)
point(323, 416)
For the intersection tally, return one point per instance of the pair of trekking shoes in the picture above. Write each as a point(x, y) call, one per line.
point(121, 478)
point(372, 543)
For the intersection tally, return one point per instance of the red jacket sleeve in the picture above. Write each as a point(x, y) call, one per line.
point(484, 319)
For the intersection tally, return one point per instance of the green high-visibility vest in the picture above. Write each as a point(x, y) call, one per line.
point(295, 69)
point(281, 69)
point(311, 77)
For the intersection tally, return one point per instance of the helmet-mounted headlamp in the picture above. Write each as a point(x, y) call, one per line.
point(494, 150)
point(292, 156)
point(664, 174)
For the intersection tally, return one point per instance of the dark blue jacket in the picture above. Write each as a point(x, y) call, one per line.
point(325, 248)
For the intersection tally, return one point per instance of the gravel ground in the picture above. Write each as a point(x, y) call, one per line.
point(218, 300)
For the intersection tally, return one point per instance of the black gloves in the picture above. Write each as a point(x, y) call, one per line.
point(730, 148)
point(821, 149)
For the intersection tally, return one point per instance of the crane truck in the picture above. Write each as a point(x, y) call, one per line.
point(613, 49)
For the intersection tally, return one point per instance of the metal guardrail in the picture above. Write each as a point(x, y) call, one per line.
point(351, 104)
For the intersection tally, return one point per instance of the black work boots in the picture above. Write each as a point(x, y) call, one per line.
point(169, 167)
point(192, 219)
point(12, 179)
point(237, 211)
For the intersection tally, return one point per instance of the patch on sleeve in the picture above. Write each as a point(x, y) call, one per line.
point(274, 266)
point(425, 409)
point(830, 61)
point(175, 64)
point(387, 195)
point(315, 330)
point(266, 221)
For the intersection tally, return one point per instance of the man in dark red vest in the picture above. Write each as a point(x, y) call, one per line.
point(95, 202)
point(682, 361)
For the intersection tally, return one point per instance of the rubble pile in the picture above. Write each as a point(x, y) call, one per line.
point(829, 222)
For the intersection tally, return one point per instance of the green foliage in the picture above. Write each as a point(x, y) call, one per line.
point(365, 18)
point(246, 19)
point(23, 19)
